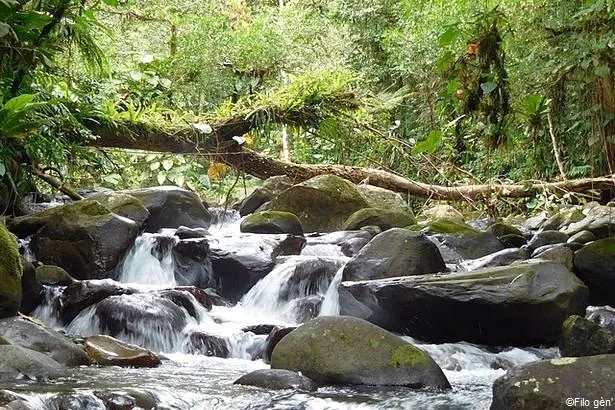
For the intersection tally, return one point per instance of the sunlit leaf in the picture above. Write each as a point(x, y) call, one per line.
point(448, 37)
point(112, 3)
point(488, 87)
point(429, 144)
point(2, 169)
point(154, 165)
point(162, 177)
point(217, 170)
point(167, 164)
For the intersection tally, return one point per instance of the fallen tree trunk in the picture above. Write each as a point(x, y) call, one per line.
point(221, 145)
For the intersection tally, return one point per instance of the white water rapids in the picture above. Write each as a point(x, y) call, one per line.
point(195, 381)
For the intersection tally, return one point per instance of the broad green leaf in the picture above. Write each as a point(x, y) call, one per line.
point(154, 165)
point(18, 103)
point(448, 37)
point(167, 164)
point(429, 144)
point(162, 176)
point(5, 29)
point(488, 87)
point(112, 3)
point(180, 180)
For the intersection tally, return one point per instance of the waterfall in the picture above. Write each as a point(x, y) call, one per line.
point(331, 302)
point(150, 261)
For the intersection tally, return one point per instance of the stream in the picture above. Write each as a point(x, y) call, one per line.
point(195, 381)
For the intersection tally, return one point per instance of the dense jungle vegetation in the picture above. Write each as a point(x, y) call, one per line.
point(445, 92)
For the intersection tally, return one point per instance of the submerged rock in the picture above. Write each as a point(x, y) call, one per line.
point(83, 237)
point(322, 203)
point(382, 218)
point(108, 351)
point(171, 207)
point(396, 252)
point(557, 384)
point(277, 379)
point(583, 337)
point(272, 222)
point(595, 265)
point(532, 299)
point(206, 344)
point(18, 362)
point(346, 350)
point(10, 274)
point(27, 333)
point(240, 261)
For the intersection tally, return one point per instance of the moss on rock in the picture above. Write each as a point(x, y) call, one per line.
point(383, 218)
point(10, 274)
point(272, 222)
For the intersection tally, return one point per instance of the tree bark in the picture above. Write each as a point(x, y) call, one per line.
point(222, 147)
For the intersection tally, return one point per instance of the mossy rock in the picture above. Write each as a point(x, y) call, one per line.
point(382, 198)
point(595, 265)
point(447, 226)
point(500, 229)
point(549, 384)
point(347, 350)
point(583, 337)
point(563, 218)
point(272, 222)
point(322, 203)
point(53, 275)
point(512, 241)
point(10, 274)
point(123, 204)
point(442, 211)
point(383, 218)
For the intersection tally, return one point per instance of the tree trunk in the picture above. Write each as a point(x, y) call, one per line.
point(226, 150)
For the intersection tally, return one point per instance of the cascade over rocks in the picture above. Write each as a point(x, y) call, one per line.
point(240, 261)
point(24, 332)
point(206, 344)
point(79, 295)
point(595, 266)
point(107, 351)
point(346, 350)
point(17, 362)
point(31, 288)
point(382, 218)
point(396, 252)
point(322, 203)
point(272, 222)
point(171, 207)
point(532, 299)
point(547, 384)
point(10, 274)
point(192, 263)
point(83, 237)
point(277, 379)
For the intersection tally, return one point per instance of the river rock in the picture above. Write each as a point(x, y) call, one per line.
point(512, 241)
point(271, 188)
point(563, 218)
point(533, 299)
point(308, 276)
point(322, 203)
point(500, 229)
point(467, 244)
point(500, 258)
point(549, 384)
point(192, 263)
point(108, 351)
point(346, 350)
point(277, 379)
point(272, 222)
point(383, 218)
point(206, 344)
point(182, 298)
point(17, 362)
point(558, 253)
point(123, 204)
point(116, 401)
point(83, 237)
point(184, 232)
point(583, 337)
point(595, 266)
point(274, 337)
point(582, 237)
point(172, 207)
point(202, 296)
point(603, 315)
point(382, 198)
point(546, 238)
point(53, 275)
point(442, 211)
point(79, 295)
point(10, 274)
point(396, 252)
point(27, 333)
point(31, 288)
point(240, 261)
point(599, 220)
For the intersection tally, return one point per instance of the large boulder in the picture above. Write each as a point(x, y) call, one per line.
point(382, 198)
point(171, 207)
point(107, 351)
point(31, 288)
point(18, 362)
point(583, 337)
point(277, 379)
point(79, 295)
point(533, 299)
point(396, 252)
point(240, 261)
point(321, 203)
point(500, 258)
point(122, 204)
point(10, 274)
point(467, 244)
point(442, 211)
point(599, 220)
point(346, 350)
point(382, 218)
point(272, 222)
point(595, 265)
point(83, 237)
point(192, 263)
point(206, 344)
point(557, 384)
point(24, 332)
point(271, 188)
point(53, 275)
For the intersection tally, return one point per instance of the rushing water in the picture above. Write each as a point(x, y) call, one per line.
point(193, 381)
